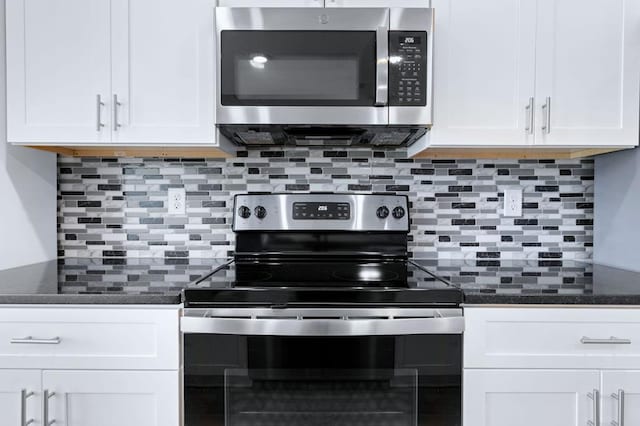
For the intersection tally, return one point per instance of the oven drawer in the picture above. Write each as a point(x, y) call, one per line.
point(552, 338)
point(89, 338)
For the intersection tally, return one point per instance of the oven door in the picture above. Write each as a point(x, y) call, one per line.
point(319, 371)
point(296, 65)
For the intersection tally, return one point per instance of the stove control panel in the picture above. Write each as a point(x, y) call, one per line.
point(321, 212)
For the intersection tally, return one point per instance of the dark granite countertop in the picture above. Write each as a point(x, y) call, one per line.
point(103, 281)
point(540, 281)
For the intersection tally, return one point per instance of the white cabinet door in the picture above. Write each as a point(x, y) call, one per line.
point(588, 66)
point(629, 383)
point(271, 3)
point(20, 399)
point(529, 397)
point(108, 398)
point(484, 63)
point(163, 73)
point(377, 3)
point(58, 62)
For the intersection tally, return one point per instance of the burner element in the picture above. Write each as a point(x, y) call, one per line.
point(367, 274)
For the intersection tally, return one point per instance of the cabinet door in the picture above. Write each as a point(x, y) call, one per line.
point(529, 397)
point(107, 398)
point(588, 67)
point(377, 3)
point(163, 73)
point(20, 399)
point(484, 61)
point(613, 382)
point(271, 3)
point(58, 62)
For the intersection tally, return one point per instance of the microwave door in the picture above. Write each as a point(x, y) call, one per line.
point(302, 66)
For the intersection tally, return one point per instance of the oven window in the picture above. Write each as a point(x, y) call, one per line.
point(338, 381)
point(298, 68)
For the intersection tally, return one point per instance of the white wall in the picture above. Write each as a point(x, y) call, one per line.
point(617, 210)
point(27, 192)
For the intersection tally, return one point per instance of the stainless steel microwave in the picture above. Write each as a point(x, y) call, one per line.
point(344, 76)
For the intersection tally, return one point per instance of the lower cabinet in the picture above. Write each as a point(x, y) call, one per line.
point(20, 397)
point(621, 398)
point(529, 397)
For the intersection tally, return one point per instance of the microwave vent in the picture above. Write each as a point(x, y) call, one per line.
point(254, 138)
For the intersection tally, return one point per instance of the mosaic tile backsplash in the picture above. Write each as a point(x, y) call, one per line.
point(118, 207)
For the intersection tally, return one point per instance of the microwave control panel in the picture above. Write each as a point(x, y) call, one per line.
point(407, 68)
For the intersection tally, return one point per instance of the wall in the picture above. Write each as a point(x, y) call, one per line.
point(117, 207)
point(27, 193)
point(617, 192)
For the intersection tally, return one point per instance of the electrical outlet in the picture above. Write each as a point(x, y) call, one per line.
point(177, 201)
point(513, 203)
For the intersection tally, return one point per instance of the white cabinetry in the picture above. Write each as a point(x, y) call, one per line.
point(529, 397)
point(537, 74)
point(20, 399)
point(621, 394)
point(271, 3)
point(376, 3)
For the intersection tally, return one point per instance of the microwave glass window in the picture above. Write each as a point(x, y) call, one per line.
point(298, 68)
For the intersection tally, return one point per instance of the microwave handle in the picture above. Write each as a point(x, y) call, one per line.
point(382, 66)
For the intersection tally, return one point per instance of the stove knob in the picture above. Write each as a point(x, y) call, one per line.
point(398, 212)
point(382, 212)
point(244, 212)
point(260, 212)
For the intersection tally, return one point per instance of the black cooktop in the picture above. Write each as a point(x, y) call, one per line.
point(322, 282)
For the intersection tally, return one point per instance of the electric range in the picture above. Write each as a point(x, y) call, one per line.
point(321, 318)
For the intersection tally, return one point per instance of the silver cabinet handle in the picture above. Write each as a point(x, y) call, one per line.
point(546, 117)
point(99, 105)
point(23, 408)
point(595, 396)
point(116, 106)
point(620, 398)
point(382, 67)
point(45, 408)
point(610, 341)
point(31, 341)
point(530, 113)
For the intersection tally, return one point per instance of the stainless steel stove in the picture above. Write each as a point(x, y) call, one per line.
point(321, 318)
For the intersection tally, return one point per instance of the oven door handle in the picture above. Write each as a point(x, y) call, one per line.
point(382, 67)
point(322, 327)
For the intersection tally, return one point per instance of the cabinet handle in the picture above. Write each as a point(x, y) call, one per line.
point(530, 113)
point(45, 408)
point(116, 106)
point(610, 341)
point(595, 396)
point(620, 398)
point(382, 66)
point(99, 105)
point(546, 117)
point(23, 408)
point(31, 341)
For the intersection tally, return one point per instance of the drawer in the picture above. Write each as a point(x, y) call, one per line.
point(599, 338)
point(89, 338)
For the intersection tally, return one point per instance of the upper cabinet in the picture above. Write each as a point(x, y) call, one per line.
point(271, 3)
point(376, 3)
point(532, 73)
point(110, 71)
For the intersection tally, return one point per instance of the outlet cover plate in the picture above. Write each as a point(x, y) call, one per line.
point(177, 201)
point(513, 203)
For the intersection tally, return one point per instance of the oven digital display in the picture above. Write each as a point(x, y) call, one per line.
point(321, 211)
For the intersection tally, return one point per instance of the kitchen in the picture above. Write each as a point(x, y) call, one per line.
point(459, 256)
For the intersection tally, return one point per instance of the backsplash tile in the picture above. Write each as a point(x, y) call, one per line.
point(117, 207)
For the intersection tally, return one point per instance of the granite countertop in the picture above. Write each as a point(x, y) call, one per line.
point(103, 281)
point(540, 281)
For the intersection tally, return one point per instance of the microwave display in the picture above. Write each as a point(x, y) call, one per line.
point(407, 69)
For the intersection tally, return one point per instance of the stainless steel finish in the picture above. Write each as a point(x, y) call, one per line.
point(24, 395)
point(280, 213)
point(323, 322)
point(382, 66)
point(116, 107)
point(415, 19)
point(303, 19)
point(99, 105)
point(595, 396)
point(530, 108)
point(32, 341)
point(45, 408)
point(610, 341)
point(619, 397)
point(546, 116)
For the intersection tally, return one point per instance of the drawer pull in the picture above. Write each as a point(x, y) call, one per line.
point(610, 341)
point(31, 341)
